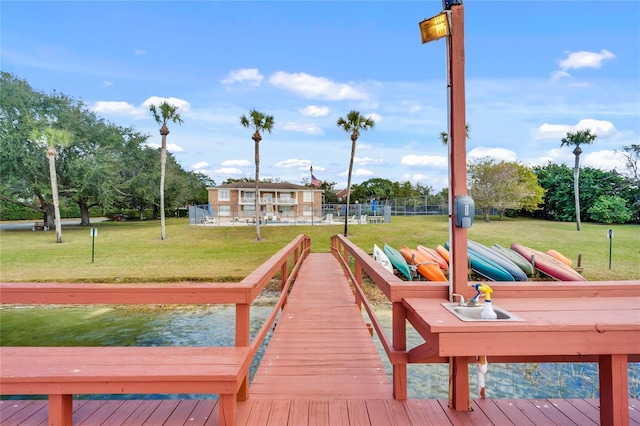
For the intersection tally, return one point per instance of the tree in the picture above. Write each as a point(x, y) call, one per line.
point(353, 123)
point(260, 123)
point(167, 113)
point(501, 186)
point(581, 137)
point(51, 138)
point(631, 155)
point(444, 136)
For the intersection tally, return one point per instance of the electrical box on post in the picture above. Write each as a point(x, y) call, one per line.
point(464, 211)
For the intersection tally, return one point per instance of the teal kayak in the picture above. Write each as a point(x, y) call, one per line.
point(516, 258)
point(499, 259)
point(397, 260)
point(486, 267)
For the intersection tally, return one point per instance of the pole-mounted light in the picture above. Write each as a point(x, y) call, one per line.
point(435, 28)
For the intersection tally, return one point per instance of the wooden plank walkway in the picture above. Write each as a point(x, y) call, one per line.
point(321, 348)
point(321, 368)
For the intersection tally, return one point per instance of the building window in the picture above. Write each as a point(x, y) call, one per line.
point(224, 195)
point(224, 210)
point(307, 210)
point(307, 196)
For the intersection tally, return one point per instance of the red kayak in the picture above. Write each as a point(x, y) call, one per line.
point(547, 264)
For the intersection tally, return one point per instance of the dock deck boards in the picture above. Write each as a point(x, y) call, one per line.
point(321, 367)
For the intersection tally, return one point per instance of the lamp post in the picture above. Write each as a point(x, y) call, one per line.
point(450, 24)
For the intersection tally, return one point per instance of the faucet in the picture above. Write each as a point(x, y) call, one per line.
point(460, 302)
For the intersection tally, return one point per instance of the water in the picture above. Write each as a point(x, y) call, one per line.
point(215, 326)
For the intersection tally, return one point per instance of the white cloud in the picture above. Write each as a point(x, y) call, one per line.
point(249, 76)
point(582, 59)
point(118, 108)
point(424, 160)
point(139, 51)
point(585, 59)
point(500, 154)
point(200, 165)
point(293, 162)
point(310, 129)
point(364, 146)
point(237, 163)
point(171, 147)
point(367, 160)
point(313, 87)
point(315, 111)
point(121, 108)
point(227, 171)
point(157, 100)
point(375, 117)
point(362, 173)
point(108, 83)
point(604, 160)
point(559, 131)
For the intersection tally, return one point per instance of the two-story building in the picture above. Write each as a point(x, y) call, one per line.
point(276, 201)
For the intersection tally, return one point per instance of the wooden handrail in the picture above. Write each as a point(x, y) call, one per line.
point(397, 290)
point(241, 294)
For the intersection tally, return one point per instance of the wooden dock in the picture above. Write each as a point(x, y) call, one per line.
point(321, 367)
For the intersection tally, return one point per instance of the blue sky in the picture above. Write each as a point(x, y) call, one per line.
point(535, 70)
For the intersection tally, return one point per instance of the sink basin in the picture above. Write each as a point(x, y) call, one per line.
point(472, 313)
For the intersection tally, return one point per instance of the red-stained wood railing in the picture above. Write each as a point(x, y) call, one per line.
point(286, 262)
point(356, 262)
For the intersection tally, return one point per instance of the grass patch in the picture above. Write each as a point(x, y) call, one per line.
point(133, 251)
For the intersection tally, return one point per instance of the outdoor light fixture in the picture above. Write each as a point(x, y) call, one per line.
point(435, 28)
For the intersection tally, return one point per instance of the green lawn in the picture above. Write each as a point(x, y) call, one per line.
point(132, 251)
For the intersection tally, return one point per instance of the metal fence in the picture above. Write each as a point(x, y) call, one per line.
point(372, 211)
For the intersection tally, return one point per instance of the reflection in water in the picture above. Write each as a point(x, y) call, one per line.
point(214, 325)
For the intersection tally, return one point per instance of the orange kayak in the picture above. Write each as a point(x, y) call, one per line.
point(435, 256)
point(561, 257)
point(424, 265)
point(443, 252)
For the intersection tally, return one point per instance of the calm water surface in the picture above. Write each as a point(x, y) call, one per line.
point(215, 326)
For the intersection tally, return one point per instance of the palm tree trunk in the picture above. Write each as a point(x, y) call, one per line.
point(257, 138)
point(576, 189)
point(346, 212)
point(51, 153)
point(163, 163)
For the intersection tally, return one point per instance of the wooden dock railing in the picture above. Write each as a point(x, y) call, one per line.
point(285, 263)
point(401, 294)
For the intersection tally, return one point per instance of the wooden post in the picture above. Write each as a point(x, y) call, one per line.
point(399, 319)
point(459, 370)
point(243, 322)
point(60, 410)
point(614, 390)
point(358, 276)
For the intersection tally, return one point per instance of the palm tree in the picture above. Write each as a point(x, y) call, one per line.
point(167, 113)
point(444, 136)
point(52, 138)
point(581, 137)
point(353, 123)
point(259, 122)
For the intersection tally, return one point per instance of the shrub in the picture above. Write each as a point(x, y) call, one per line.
point(610, 209)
